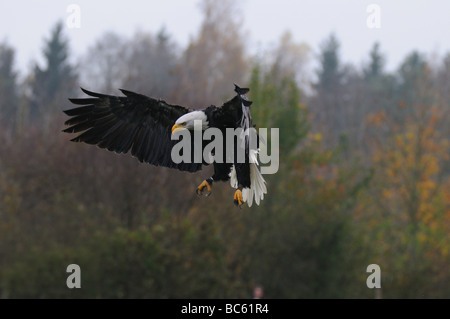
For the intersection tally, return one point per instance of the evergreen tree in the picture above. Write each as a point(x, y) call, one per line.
point(378, 85)
point(53, 84)
point(442, 82)
point(329, 73)
point(375, 68)
point(326, 105)
point(8, 87)
point(415, 80)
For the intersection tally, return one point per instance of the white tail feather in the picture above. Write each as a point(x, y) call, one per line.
point(257, 183)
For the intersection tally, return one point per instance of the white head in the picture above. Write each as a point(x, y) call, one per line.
point(191, 121)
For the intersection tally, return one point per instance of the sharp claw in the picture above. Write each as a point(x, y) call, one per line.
point(200, 189)
point(238, 200)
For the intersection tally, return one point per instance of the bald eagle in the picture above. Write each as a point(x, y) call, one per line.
point(144, 127)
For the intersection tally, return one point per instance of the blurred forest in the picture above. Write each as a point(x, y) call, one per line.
point(364, 174)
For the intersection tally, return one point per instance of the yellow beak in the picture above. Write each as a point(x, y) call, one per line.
point(177, 128)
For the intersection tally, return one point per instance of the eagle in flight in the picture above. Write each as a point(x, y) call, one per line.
point(144, 127)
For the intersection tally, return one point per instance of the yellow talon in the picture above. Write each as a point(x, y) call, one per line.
point(238, 200)
point(201, 188)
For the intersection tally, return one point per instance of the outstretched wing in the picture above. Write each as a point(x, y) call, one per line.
point(133, 122)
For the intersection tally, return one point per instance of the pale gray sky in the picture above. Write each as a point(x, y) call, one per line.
point(405, 24)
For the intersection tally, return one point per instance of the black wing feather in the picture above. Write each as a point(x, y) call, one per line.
point(132, 122)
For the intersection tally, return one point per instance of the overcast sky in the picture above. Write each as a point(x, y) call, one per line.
point(405, 25)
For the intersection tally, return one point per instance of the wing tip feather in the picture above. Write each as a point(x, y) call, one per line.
point(239, 90)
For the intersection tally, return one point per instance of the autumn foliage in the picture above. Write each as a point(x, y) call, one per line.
point(363, 179)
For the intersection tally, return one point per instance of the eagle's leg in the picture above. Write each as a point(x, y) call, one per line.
point(238, 200)
point(207, 183)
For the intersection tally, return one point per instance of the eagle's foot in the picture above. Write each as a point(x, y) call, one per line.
point(207, 183)
point(238, 200)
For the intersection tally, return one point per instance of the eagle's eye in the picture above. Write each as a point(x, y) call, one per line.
point(183, 124)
